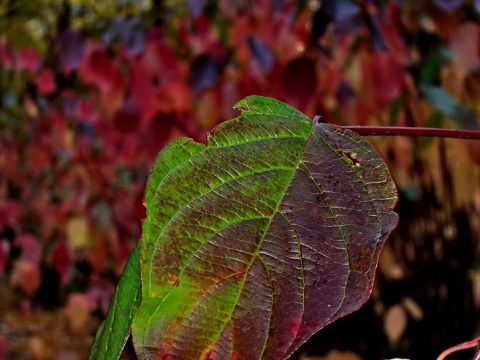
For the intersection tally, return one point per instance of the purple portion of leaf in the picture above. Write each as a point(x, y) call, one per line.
point(133, 38)
point(346, 14)
point(373, 26)
point(262, 53)
point(71, 50)
point(204, 72)
point(448, 5)
point(196, 6)
point(344, 93)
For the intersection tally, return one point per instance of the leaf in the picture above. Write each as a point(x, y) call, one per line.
point(445, 103)
point(133, 38)
point(262, 53)
point(72, 49)
point(299, 81)
point(433, 66)
point(4, 257)
point(204, 72)
point(196, 6)
point(127, 118)
point(257, 241)
point(78, 310)
point(386, 77)
point(395, 323)
point(31, 250)
point(28, 59)
point(114, 331)
point(27, 276)
point(77, 233)
point(448, 6)
point(373, 25)
point(464, 39)
point(4, 347)
point(346, 15)
point(45, 81)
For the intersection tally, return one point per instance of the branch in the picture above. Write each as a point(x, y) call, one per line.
point(414, 131)
point(466, 345)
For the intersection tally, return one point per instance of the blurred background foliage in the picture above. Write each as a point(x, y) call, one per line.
point(90, 91)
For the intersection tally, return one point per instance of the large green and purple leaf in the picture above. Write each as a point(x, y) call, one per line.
point(258, 240)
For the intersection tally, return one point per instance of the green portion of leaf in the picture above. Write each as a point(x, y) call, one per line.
point(114, 331)
point(260, 239)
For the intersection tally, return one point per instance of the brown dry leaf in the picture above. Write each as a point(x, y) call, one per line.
point(395, 323)
point(476, 287)
point(412, 307)
point(78, 310)
point(388, 265)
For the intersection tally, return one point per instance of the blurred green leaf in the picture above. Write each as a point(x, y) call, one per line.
point(9, 98)
point(431, 70)
point(444, 102)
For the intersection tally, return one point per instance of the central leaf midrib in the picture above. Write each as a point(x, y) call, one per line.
point(262, 238)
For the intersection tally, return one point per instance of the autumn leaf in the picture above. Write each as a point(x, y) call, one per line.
point(257, 241)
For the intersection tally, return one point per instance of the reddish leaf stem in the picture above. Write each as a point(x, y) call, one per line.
point(466, 345)
point(414, 131)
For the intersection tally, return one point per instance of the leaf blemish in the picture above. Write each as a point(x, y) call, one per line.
point(351, 157)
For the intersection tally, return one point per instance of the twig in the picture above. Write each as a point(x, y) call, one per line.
point(463, 346)
point(414, 131)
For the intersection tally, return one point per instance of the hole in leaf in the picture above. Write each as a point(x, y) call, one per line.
point(351, 157)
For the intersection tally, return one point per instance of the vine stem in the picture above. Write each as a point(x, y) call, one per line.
point(414, 131)
point(466, 345)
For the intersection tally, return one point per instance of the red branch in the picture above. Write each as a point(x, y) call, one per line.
point(414, 131)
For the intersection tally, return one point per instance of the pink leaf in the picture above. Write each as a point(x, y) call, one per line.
point(31, 250)
point(45, 81)
point(10, 211)
point(28, 59)
point(464, 40)
point(4, 347)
